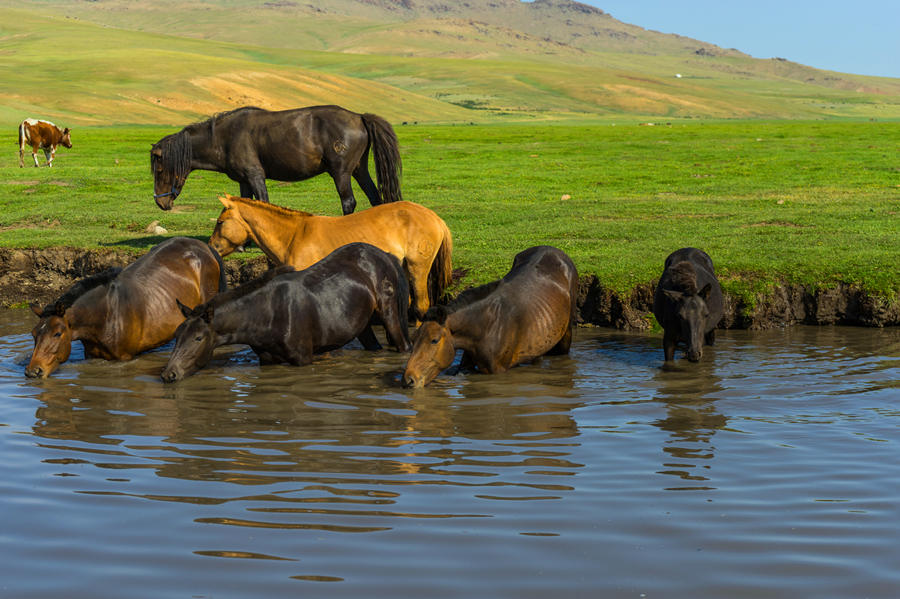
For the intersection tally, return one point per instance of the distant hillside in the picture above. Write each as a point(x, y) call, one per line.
point(432, 60)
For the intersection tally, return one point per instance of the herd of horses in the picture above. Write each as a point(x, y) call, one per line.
point(333, 278)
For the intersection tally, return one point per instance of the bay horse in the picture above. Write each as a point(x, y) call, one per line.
point(688, 302)
point(528, 313)
point(287, 315)
point(411, 232)
point(251, 145)
point(119, 313)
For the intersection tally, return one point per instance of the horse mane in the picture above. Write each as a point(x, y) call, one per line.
point(246, 289)
point(270, 207)
point(81, 287)
point(468, 297)
point(683, 276)
point(175, 153)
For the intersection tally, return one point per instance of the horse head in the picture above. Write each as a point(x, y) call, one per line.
point(52, 341)
point(170, 161)
point(194, 343)
point(693, 312)
point(231, 233)
point(432, 351)
point(66, 138)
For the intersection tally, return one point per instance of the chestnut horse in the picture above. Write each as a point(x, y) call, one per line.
point(418, 237)
point(287, 316)
point(119, 313)
point(526, 314)
point(251, 145)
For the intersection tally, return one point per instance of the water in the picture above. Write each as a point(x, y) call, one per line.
point(769, 469)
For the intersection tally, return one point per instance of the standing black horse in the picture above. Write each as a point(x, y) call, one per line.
point(688, 302)
point(251, 145)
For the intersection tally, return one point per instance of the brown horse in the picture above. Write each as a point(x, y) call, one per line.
point(119, 313)
point(526, 314)
point(251, 145)
point(418, 237)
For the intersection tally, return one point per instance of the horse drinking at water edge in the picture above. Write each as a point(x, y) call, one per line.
point(119, 313)
point(251, 145)
point(526, 314)
point(287, 316)
point(688, 302)
point(417, 236)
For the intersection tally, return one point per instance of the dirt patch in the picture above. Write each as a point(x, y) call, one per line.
point(41, 275)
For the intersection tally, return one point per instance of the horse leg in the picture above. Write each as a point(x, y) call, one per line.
point(710, 337)
point(669, 340)
point(362, 176)
point(256, 183)
point(49, 154)
point(418, 285)
point(563, 345)
point(368, 339)
point(345, 190)
point(34, 157)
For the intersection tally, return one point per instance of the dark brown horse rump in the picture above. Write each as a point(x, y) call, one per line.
point(287, 315)
point(688, 302)
point(120, 313)
point(251, 145)
point(526, 314)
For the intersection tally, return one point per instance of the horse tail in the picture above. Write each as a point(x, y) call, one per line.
point(388, 166)
point(441, 274)
point(402, 294)
point(223, 276)
point(22, 144)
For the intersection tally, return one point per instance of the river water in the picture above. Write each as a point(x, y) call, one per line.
point(770, 469)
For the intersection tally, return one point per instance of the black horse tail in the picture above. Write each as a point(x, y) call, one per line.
point(223, 276)
point(402, 299)
point(388, 166)
point(441, 274)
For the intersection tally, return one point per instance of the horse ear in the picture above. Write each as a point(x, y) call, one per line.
point(437, 313)
point(675, 296)
point(208, 313)
point(704, 293)
point(37, 309)
point(226, 200)
point(185, 311)
point(59, 309)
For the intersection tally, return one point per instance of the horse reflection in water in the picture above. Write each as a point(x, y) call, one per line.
point(120, 313)
point(526, 314)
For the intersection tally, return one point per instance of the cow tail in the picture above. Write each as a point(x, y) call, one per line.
point(22, 145)
point(388, 166)
point(441, 274)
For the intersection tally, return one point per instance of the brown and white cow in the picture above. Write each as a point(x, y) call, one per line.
point(41, 135)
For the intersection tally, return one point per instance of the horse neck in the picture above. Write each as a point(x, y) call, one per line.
point(231, 321)
point(467, 326)
point(89, 317)
point(272, 230)
point(206, 151)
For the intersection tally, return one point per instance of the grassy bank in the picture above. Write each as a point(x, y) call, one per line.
point(814, 203)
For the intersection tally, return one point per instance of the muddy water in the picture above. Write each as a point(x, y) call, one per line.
point(770, 469)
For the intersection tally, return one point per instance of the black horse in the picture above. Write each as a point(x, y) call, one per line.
point(251, 145)
point(287, 315)
point(688, 302)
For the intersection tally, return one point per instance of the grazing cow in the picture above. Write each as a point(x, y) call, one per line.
point(41, 135)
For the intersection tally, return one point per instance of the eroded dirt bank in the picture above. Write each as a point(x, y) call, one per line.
point(41, 275)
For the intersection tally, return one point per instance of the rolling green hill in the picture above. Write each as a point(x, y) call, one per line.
point(168, 62)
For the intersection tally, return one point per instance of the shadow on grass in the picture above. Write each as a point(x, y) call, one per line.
point(149, 241)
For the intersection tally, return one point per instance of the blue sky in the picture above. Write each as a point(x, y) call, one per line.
point(850, 36)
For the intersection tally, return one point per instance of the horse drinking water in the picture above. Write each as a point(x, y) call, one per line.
point(251, 145)
point(287, 316)
point(119, 313)
point(688, 302)
point(412, 233)
point(526, 314)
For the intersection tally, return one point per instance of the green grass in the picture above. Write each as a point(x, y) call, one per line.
point(814, 203)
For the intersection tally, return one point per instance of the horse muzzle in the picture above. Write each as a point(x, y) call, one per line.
point(171, 375)
point(37, 372)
